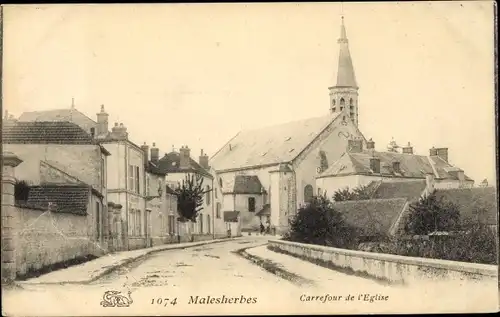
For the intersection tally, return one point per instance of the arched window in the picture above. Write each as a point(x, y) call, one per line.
point(342, 101)
point(207, 193)
point(308, 193)
point(350, 102)
point(334, 102)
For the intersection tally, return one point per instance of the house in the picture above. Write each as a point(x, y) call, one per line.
point(161, 202)
point(375, 220)
point(359, 166)
point(58, 154)
point(126, 180)
point(281, 162)
point(178, 165)
point(245, 194)
point(478, 205)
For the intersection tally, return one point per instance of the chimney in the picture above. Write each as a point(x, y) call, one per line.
point(155, 154)
point(370, 144)
point(145, 149)
point(433, 152)
point(102, 122)
point(354, 146)
point(204, 160)
point(429, 183)
point(375, 165)
point(184, 157)
point(408, 149)
point(396, 167)
point(443, 153)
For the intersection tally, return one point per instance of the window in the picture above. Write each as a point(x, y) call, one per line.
point(147, 186)
point(319, 191)
point(308, 193)
point(130, 178)
point(131, 221)
point(171, 224)
point(98, 220)
point(103, 173)
point(350, 102)
point(217, 211)
point(137, 187)
point(201, 223)
point(251, 204)
point(334, 102)
point(137, 223)
point(215, 192)
point(342, 102)
point(208, 223)
point(207, 193)
point(220, 182)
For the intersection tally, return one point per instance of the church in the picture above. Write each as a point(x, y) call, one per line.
point(267, 174)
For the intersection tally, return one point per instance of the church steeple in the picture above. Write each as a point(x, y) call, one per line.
point(344, 95)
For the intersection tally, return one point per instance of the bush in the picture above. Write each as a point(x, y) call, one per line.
point(319, 223)
point(431, 214)
point(21, 191)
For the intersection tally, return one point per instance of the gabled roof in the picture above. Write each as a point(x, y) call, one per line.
point(374, 217)
point(46, 132)
point(170, 163)
point(169, 190)
point(411, 165)
point(69, 115)
point(270, 145)
point(477, 203)
point(231, 216)
point(247, 184)
point(411, 189)
point(265, 211)
point(152, 168)
point(73, 199)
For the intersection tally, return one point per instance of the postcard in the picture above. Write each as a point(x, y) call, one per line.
point(259, 158)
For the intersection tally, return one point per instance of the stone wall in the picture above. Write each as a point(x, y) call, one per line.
point(43, 238)
point(388, 267)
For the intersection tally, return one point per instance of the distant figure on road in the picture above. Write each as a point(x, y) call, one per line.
point(262, 228)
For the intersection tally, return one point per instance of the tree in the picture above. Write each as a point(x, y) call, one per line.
point(319, 223)
point(343, 194)
point(431, 214)
point(361, 192)
point(190, 197)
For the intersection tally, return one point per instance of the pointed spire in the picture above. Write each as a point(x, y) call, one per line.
point(345, 72)
point(72, 103)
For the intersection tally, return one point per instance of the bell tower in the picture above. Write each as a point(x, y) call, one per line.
point(344, 95)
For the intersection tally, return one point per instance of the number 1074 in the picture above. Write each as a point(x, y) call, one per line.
point(163, 301)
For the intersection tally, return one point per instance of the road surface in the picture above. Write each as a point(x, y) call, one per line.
point(213, 279)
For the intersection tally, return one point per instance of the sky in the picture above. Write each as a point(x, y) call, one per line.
point(196, 74)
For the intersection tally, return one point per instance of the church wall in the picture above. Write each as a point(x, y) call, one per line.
point(248, 219)
point(333, 142)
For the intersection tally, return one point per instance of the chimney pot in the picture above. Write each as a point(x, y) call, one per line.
point(155, 153)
